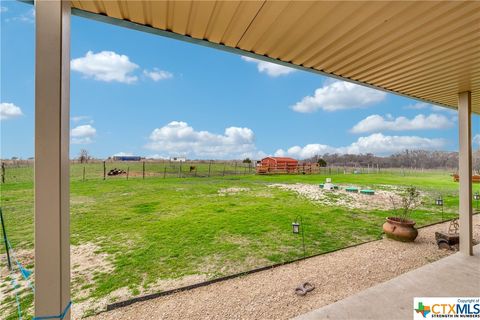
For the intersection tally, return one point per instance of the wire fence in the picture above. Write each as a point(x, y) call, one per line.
point(23, 170)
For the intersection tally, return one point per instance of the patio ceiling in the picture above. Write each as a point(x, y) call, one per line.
point(425, 50)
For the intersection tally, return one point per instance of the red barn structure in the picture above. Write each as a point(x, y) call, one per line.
point(277, 165)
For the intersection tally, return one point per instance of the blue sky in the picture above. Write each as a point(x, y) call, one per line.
point(141, 94)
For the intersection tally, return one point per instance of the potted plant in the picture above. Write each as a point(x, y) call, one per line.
point(401, 226)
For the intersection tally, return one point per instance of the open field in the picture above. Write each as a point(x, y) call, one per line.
point(132, 237)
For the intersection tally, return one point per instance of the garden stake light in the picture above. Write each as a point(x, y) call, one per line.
point(439, 202)
point(298, 227)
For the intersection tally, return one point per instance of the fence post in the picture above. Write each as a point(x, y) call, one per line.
point(164, 171)
point(235, 167)
point(209, 166)
point(83, 173)
point(143, 171)
point(104, 170)
point(128, 172)
point(180, 170)
point(3, 172)
point(223, 174)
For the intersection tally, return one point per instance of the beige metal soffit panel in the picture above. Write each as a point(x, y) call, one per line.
point(427, 50)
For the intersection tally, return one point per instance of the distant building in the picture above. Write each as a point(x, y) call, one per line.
point(178, 159)
point(127, 158)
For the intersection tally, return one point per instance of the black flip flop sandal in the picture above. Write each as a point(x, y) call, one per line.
point(307, 286)
point(300, 291)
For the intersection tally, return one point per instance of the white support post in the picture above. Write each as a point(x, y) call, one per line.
point(465, 172)
point(52, 113)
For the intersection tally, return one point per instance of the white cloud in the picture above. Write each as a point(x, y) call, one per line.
point(9, 111)
point(376, 143)
point(418, 106)
point(157, 75)
point(178, 137)
point(28, 17)
point(3, 9)
point(307, 151)
point(157, 156)
point(476, 140)
point(435, 108)
point(83, 134)
point(339, 95)
point(444, 109)
point(271, 69)
point(106, 66)
point(77, 119)
point(376, 123)
point(123, 154)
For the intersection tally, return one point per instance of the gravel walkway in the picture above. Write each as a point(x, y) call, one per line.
point(269, 294)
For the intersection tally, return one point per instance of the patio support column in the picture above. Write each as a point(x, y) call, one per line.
point(52, 113)
point(465, 172)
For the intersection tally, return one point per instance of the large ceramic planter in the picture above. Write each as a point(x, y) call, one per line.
point(398, 229)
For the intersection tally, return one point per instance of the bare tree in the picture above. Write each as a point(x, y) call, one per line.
point(84, 156)
point(420, 159)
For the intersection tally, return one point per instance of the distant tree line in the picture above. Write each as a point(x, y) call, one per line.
point(420, 159)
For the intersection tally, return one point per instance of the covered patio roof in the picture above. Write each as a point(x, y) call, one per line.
point(425, 50)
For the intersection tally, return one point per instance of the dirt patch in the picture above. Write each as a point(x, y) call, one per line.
point(216, 265)
point(380, 200)
point(85, 259)
point(25, 258)
point(233, 190)
point(234, 239)
point(81, 200)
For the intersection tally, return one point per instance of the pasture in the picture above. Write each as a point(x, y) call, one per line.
point(138, 236)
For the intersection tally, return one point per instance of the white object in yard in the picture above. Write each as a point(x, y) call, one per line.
point(178, 159)
point(328, 186)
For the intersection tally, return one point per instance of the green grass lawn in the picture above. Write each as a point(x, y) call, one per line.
point(172, 228)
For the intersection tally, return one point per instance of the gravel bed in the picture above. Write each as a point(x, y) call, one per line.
point(270, 294)
point(352, 200)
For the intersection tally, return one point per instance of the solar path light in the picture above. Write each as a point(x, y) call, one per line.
point(439, 202)
point(476, 197)
point(298, 227)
